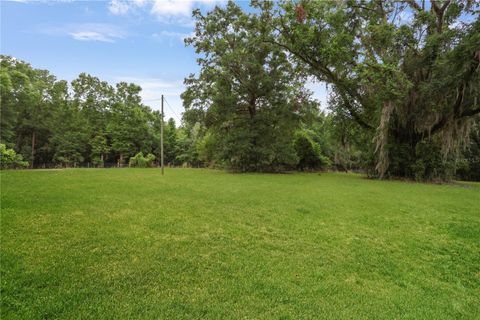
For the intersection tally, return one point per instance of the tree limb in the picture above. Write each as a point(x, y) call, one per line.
point(414, 5)
point(470, 113)
point(332, 79)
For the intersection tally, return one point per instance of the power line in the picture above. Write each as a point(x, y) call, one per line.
point(170, 107)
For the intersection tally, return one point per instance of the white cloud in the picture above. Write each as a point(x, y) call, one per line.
point(122, 7)
point(171, 35)
point(179, 11)
point(166, 11)
point(118, 7)
point(152, 83)
point(90, 36)
point(172, 8)
point(102, 32)
point(139, 3)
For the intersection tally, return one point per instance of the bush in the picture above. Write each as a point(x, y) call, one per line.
point(308, 152)
point(9, 159)
point(139, 161)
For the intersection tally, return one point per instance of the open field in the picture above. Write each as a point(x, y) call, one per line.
point(129, 243)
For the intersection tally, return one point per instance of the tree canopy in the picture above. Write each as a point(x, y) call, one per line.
point(52, 122)
point(247, 94)
point(406, 72)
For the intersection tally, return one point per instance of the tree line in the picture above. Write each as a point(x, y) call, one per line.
point(88, 121)
point(403, 76)
point(53, 123)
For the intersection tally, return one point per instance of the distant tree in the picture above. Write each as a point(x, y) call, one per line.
point(48, 121)
point(187, 145)
point(28, 106)
point(8, 114)
point(208, 150)
point(351, 145)
point(70, 136)
point(170, 141)
point(94, 99)
point(130, 122)
point(99, 149)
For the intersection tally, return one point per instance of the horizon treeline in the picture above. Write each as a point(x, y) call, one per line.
point(53, 123)
point(404, 95)
point(88, 121)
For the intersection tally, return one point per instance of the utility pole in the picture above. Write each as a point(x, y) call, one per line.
point(161, 139)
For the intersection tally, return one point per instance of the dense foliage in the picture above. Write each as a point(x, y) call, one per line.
point(309, 152)
point(9, 159)
point(247, 97)
point(468, 162)
point(404, 79)
point(405, 73)
point(50, 122)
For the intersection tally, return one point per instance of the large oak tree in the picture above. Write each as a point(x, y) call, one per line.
point(407, 72)
point(247, 93)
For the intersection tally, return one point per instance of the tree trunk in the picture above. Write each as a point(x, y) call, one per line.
point(252, 107)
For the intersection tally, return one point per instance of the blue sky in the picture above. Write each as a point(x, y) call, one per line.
point(138, 41)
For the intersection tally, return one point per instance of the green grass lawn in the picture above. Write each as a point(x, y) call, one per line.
point(129, 243)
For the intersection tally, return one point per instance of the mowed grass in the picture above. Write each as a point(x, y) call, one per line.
point(204, 244)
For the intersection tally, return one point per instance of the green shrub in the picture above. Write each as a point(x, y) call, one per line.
point(139, 161)
point(150, 159)
point(308, 152)
point(9, 159)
